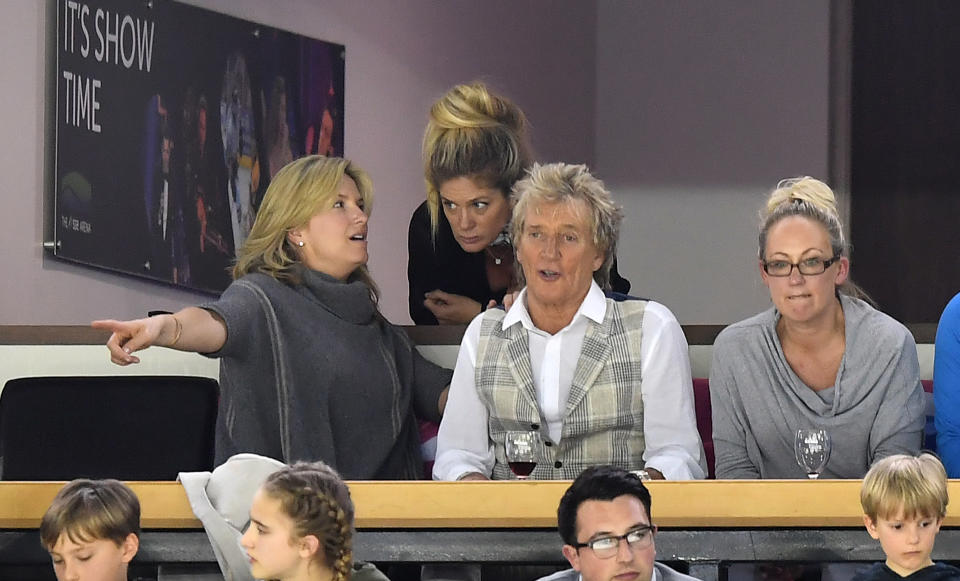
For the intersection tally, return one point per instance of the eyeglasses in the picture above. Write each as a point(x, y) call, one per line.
point(807, 267)
point(607, 547)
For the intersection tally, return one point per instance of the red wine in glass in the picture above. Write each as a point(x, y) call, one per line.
point(521, 452)
point(522, 469)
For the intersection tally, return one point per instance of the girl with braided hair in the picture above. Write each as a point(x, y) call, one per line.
point(301, 526)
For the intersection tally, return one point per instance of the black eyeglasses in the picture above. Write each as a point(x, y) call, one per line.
point(607, 547)
point(807, 267)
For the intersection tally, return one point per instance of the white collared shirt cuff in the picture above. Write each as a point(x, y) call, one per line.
point(454, 468)
point(675, 466)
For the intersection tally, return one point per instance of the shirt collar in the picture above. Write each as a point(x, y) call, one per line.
point(593, 307)
point(654, 576)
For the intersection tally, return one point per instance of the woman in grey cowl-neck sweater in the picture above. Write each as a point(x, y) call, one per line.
point(820, 358)
point(309, 369)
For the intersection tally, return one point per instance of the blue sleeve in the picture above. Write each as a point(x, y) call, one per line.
point(946, 387)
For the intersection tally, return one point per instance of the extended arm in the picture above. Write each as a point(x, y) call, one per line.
point(192, 329)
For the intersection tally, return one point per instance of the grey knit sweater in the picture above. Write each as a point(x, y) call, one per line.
point(313, 372)
point(874, 409)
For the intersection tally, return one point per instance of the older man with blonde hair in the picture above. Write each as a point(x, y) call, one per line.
point(581, 378)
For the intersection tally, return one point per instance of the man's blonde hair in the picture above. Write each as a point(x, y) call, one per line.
point(567, 183)
point(915, 485)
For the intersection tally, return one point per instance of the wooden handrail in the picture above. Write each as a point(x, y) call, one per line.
point(420, 334)
point(533, 504)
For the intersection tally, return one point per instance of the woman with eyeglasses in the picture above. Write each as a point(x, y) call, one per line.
point(821, 357)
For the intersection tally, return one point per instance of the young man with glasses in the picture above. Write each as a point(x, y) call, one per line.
point(604, 520)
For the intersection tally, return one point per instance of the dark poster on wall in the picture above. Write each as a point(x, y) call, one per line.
point(170, 122)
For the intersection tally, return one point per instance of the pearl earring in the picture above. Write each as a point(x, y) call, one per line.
point(300, 243)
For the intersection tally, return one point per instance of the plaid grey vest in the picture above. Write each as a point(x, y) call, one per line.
point(603, 421)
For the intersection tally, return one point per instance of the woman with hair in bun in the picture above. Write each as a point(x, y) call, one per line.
point(301, 526)
point(460, 256)
point(821, 357)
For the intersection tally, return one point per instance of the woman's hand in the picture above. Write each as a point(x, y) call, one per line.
point(130, 336)
point(451, 309)
point(192, 329)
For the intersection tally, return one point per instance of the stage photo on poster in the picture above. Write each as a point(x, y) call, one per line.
point(170, 122)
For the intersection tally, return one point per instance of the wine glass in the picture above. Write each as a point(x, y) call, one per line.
point(521, 452)
point(813, 450)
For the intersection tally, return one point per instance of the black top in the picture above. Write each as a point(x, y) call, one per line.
point(935, 572)
point(447, 267)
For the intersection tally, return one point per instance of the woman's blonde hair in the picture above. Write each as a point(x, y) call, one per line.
point(811, 198)
point(915, 485)
point(476, 134)
point(297, 192)
point(318, 502)
point(566, 183)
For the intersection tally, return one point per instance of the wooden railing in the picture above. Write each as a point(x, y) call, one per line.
point(533, 504)
point(421, 335)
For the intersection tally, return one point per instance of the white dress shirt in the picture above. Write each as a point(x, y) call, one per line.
point(673, 444)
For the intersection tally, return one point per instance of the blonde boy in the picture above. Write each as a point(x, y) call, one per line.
point(92, 530)
point(904, 500)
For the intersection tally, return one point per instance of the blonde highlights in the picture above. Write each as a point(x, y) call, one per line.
point(297, 192)
point(318, 502)
point(812, 199)
point(473, 133)
point(566, 183)
point(916, 485)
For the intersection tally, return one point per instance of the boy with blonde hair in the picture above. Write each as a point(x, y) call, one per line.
point(904, 500)
point(91, 530)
